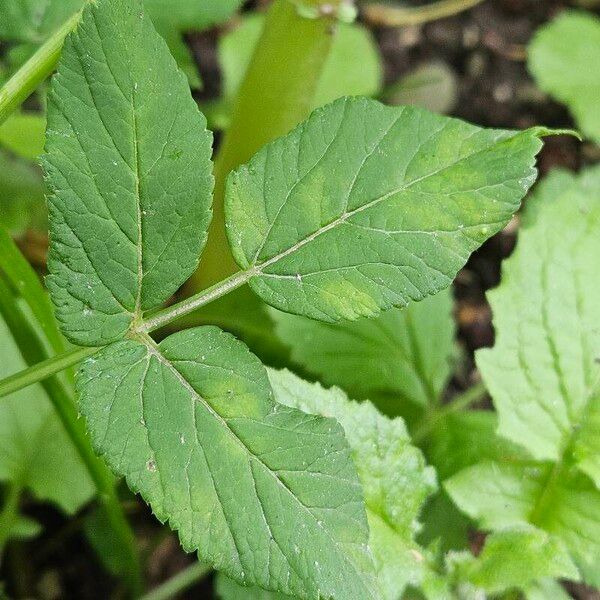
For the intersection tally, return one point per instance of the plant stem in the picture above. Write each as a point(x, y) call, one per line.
point(180, 582)
point(23, 83)
point(101, 476)
point(42, 370)
point(10, 513)
point(458, 403)
point(26, 283)
point(188, 305)
point(394, 16)
point(276, 94)
point(33, 350)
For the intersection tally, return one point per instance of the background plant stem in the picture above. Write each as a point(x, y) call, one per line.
point(180, 582)
point(276, 94)
point(396, 16)
point(21, 85)
point(21, 277)
point(33, 351)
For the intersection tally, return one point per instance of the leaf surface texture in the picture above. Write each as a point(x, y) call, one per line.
point(394, 475)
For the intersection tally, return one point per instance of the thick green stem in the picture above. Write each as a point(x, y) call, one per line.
point(23, 83)
point(276, 94)
point(34, 350)
point(166, 315)
point(180, 582)
point(458, 403)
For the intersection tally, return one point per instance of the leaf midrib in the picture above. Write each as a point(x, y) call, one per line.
point(136, 175)
point(349, 214)
point(576, 422)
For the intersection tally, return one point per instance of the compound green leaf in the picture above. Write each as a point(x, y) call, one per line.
point(128, 164)
point(265, 493)
point(393, 473)
point(543, 372)
point(363, 207)
point(391, 354)
point(514, 558)
point(561, 501)
point(562, 58)
point(35, 450)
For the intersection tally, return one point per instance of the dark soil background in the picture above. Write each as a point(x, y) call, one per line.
point(485, 48)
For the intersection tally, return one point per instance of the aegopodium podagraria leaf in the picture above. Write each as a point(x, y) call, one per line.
point(363, 206)
point(128, 166)
point(544, 377)
point(265, 493)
